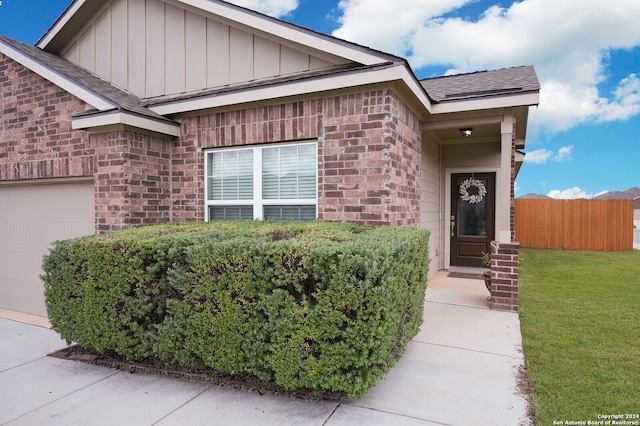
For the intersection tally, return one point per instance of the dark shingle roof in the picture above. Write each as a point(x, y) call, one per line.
point(629, 194)
point(534, 196)
point(124, 100)
point(481, 84)
point(348, 68)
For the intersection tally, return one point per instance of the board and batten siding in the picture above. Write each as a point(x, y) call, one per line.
point(431, 200)
point(152, 48)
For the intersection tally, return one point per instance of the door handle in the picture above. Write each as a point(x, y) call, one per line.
point(453, 225)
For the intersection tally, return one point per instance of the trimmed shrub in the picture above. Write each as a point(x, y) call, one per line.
point(317, 305)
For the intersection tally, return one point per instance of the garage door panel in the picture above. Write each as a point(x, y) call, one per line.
point(31, 218)
point(23, 296)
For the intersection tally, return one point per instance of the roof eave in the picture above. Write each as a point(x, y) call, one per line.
point(531, 98)
point(383, 74)
point(90, 97)
point(519, 160)
point(119, 116)
point(63, 29)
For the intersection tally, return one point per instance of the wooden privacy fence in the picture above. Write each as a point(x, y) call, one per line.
point(598, 225)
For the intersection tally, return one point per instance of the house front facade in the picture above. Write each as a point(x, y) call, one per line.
point(133, 112)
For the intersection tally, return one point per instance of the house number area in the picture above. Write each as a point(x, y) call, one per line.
point(605, 419)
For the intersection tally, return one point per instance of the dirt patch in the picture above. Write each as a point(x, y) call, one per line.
point(151, 366)
point(524, 388)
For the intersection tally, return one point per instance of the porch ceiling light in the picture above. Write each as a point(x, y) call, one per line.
point(466, 132)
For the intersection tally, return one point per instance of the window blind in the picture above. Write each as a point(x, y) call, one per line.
point(231, 175)
point(289, 172)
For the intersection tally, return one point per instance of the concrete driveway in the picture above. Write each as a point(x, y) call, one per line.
point(461, 369)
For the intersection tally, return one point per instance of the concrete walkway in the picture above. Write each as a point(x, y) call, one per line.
point(461, 369)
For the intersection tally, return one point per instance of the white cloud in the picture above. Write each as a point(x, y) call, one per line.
point(572, 193)
point(275, 8)
point(569, 194)
point(627, 100)
point(375, 24)
point(564, 153)
point(567, 41)
point(541, 156)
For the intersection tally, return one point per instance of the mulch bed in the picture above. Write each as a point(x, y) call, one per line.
point(155, 367)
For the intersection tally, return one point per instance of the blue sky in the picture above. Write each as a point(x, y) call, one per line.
point(583, 138)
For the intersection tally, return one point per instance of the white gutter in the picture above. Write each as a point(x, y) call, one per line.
point(99, 102)
point(125, 118)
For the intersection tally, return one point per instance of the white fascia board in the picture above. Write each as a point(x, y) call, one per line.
point(523, 99)
point(53, 31)
point(57, 78)
point(361, 56)
point(122, 117)
point(462, 122)
point(296, 88)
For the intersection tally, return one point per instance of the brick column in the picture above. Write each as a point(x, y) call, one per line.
point(504, 276)
point(132, 184)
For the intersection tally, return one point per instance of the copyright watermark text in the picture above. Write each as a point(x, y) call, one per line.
point(632, 419)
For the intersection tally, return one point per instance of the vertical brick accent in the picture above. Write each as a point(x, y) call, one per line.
point(133, 180)
point(187, 173)
point(504, 276)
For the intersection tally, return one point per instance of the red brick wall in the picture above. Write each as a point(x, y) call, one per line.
point(504, 276)
point(187, 173)
point(370, 168)
point(368, 153)
point(133, 180)
point(36, 138)
point(132, 171)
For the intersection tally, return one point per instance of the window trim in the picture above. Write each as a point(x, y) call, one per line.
point(258, 202)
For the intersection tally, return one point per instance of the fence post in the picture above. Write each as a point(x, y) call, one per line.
point(504, 276)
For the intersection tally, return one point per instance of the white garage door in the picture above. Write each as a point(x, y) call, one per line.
point(31, 218)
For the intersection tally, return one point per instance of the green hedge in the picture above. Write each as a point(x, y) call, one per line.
point(317, 305)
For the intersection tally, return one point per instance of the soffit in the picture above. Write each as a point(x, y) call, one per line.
point(486, 125)
point(68, 24)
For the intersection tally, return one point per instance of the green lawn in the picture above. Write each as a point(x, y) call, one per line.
point(580, 318)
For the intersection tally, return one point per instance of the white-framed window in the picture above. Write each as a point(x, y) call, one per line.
point(262, 182)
